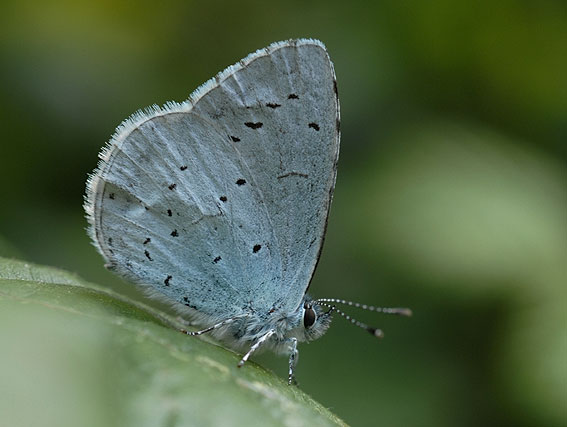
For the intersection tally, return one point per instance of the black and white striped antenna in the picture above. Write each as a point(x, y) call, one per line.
point(330, 303)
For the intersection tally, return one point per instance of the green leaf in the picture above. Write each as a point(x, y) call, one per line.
point(74, 353)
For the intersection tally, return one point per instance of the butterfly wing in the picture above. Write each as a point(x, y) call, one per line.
point(220, 203)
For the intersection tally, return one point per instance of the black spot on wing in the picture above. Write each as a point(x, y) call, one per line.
point(188, 304)
point(254, 125)
point(293, 173)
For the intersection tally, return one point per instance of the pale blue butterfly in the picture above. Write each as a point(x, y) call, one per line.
point(219, 204)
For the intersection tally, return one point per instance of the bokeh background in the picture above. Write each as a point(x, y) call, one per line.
point(451, 195)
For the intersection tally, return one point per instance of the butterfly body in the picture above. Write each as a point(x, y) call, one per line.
point(244, 331)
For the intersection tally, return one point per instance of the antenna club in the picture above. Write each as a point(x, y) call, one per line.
point(376, 332)
point(402, 312)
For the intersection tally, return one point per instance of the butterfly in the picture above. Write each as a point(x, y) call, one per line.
point(219, 204)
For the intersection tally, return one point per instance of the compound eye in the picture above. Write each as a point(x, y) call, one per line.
point(309, 317)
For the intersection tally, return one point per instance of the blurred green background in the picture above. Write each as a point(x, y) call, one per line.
point(451, 196)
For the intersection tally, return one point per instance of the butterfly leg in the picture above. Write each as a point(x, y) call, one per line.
point(216, 326)
point(293, 356)
point(255, 347)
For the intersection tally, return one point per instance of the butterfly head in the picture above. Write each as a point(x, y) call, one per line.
point(315, 319)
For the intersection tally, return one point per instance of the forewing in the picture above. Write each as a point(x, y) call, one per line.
point(220, 203)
